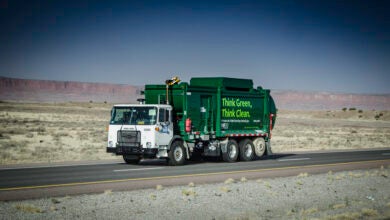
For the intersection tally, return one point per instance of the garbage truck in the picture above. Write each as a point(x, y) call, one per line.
point(208, 117)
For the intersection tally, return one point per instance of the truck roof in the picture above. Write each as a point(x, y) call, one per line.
point(142, 105)
point(224, 82)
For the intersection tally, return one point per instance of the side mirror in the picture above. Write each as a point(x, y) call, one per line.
point(166, 123)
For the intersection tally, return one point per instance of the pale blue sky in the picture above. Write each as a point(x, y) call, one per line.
point(338, 46)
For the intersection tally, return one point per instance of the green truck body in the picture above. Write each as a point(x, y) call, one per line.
point(217, 116)
point(217, 106)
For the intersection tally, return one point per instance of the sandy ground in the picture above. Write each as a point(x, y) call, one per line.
point(363, 194)
point(331, 130)
point(54, 132)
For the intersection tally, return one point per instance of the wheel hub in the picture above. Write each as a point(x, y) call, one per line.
point(248, 150)
point(232, 152)
point(178, 153)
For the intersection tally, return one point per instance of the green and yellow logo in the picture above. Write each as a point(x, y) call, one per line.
point(236, 108)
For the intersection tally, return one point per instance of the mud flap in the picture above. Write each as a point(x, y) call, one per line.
point(268, 146)
point(187, 150)
point(223, 145)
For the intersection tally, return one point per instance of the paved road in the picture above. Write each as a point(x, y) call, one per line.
point(35, 182)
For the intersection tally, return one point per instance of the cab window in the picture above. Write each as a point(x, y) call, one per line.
point(163, 115)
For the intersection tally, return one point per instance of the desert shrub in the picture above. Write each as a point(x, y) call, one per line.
point(4, 136)
point(10, 145)
point(6, 155)
point(344, 109)
point(28, 208)
point(352, 109)
point(39, 130)
point(41, 151)
point(16, 131)
point(29, 135)
point(360, 111)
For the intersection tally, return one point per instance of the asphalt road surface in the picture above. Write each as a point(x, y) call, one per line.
point(60, 180)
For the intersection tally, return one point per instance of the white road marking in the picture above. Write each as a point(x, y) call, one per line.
point(386, 154)
point(293, 159)
point(61, 165)
point(139, 169)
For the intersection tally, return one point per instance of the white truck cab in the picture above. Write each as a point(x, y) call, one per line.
point(139, 131)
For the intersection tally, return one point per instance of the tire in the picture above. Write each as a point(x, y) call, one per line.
point(131, 159)
point(247, 150)
point(231, 153)
point(260, 146)
point(177, 154)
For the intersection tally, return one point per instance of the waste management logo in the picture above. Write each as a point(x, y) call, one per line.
point(236, 110)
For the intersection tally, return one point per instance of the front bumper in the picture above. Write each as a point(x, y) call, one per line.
point(124, 150)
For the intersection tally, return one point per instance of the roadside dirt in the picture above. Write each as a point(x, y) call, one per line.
point(359, 194)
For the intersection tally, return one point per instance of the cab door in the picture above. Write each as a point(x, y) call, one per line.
point(165, 132)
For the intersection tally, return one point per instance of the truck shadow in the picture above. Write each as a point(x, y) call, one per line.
point(202, 160)
point(219, 160)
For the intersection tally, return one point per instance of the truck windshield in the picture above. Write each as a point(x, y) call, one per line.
point(134, 115)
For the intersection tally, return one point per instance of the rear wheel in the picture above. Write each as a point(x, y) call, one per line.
point(176, 156)
point(131, 159)
point(259, 144)
point(247, 152)
point(231, 153)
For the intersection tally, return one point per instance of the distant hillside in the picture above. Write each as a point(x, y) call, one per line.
point(63, 91)
point(298, 100)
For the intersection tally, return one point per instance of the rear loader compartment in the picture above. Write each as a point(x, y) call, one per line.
point(217, 106)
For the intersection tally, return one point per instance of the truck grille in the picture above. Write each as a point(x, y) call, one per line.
point(129, 138)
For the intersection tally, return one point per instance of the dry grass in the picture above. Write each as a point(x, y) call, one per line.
point(339, 206)
point(369, 212)
point(44, 132)
point(189, 192)
point(229, 181)
point(345, 216)
point(108, 192)
point(225, 189)
point(37, 132)
point(153, 196)
point(365, 213)
point(330, 130)
point(28, 208)
point(302, 175)
point(309, 211)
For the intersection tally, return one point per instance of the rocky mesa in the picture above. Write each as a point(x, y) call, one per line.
point(299, 100)
point(12, 89)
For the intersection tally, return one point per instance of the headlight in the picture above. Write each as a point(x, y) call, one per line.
point(148, 144)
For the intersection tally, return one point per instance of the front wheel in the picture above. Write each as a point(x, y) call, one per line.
point(131, 159)
point(231, 153)
point(176, 156)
